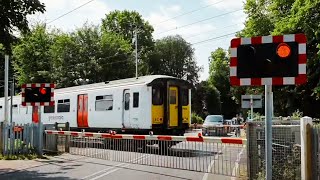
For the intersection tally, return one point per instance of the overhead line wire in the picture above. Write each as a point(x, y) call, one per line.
point(70, 11)
point(186, 25)
point(198, 34)
point(190, 12)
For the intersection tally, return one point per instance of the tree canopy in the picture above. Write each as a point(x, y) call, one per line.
point(13, 16)
point(174, 56)
point(81, 57)
point(219, 78)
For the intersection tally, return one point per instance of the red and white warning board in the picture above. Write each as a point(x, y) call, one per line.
point(38, 94)
point(268, 60)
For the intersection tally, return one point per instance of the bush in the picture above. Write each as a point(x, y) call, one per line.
point(256, 116)
point(297, 115)
point(196, 119)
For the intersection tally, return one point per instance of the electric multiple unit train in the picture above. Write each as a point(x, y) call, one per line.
point(157, 103)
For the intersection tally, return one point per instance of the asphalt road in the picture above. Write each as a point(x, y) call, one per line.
point(202, 162)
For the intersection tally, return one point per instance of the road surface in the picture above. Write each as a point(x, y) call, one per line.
point(111, 165)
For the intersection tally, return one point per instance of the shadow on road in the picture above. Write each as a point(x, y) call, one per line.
point(28, 174)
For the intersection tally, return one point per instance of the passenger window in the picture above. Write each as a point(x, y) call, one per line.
point(185, 97)
point(173, 97)
point(126, 101)
point(63, 105)
point(48, 109)
point(157, 96)
point(104, 103)
point(135, 99)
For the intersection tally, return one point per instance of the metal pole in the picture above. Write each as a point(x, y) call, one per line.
point(11, 100)
point(251, 106)
point(40, 132)
point(136, 49)
point(272, 112)
point(6, 89)
point(268, 131)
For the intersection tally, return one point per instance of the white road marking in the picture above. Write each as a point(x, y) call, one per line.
point(109, 172)
point(118, 165)
point(236, 164)
point(114, 168)
point(205, 176)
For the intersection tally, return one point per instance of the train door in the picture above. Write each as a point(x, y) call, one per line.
point(35, 114)
point(82, 116)
point(173, 106)
point(186, 112)
point(126, 109)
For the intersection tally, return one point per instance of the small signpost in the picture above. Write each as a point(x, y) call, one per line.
point(251, 102)
point(269, 61)
point(38, 94)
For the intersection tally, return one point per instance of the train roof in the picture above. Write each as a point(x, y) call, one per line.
point(142, 80)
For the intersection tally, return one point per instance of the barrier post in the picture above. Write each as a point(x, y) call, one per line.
point(252, 151)
point(67, 143)
point(306, 148)
point(1, 137)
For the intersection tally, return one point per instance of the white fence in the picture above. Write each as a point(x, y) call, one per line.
point(16, 139)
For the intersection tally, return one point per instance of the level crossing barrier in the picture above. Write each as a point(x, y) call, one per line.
point(219, 130)
point(215, 155)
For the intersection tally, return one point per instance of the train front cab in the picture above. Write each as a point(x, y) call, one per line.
point(171, 106)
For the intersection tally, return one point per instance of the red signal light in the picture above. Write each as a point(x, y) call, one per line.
point(283, 50)
point(43, 91)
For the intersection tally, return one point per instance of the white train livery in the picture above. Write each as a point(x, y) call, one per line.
point(157, 103)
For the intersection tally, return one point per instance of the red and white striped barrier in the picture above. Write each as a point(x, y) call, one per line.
point(220, 140)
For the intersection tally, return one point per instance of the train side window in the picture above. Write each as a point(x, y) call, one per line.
point(48, 109)
point(135, 99)
point(63, 105)
point(126, 101)
point(185, 97)
point(157, 96)
point(173, 96)
point(104, 103)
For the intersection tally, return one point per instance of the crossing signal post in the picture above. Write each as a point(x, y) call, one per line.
point(269, 61)
point(38, 95)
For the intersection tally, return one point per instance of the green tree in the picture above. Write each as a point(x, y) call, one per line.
point(88, 55)
point(175, 57)
point(115, 56)
point(65, 55)
point(125, 23)
point(84, 56)
point(219, 78)
point(205, 99)
point(33, 62)
point(13, 16)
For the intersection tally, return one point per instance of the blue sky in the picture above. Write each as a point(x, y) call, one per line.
point(157, 12)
